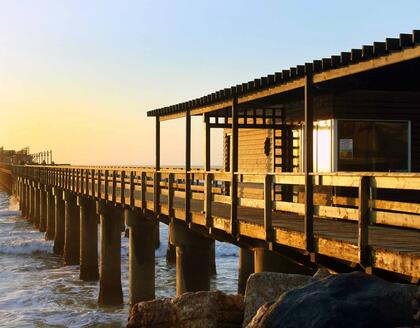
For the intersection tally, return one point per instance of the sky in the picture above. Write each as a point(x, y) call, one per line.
point(78, 77)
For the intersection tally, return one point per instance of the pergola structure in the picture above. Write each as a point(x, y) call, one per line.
point(278, 100)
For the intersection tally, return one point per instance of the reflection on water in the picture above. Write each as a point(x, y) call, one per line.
point(36, 290)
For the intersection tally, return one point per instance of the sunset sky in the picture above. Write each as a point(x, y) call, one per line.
point(77, 77)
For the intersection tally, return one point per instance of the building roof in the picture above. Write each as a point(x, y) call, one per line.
point(345, 59)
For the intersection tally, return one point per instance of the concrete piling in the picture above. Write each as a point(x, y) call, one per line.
point(59, 219)
point(110, 290)
point(71, 229)
point(88, 239)
point(141, 256)
point(269, 261)
point(37, 204)
point(192, 258)
point(24, 206)
point(31, 202)
point(246, 268)
point(42, 209)
point(49, 235)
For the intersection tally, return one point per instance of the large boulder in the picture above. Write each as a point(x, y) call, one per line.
point(346, 300)
point(264, 287)
point(153, 314)
point(191, 310)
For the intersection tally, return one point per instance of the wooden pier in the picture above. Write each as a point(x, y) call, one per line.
point(275, 198)
point(363, 234)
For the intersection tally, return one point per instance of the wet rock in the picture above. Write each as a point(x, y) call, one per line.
point(191, 310)
point(264, 287)
point(209, 309)
point(153, 314)
point(345, 300)
point(321, 274)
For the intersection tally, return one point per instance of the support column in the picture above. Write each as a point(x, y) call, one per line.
point(192, 259)
point(269, 261)
point(207, 168)
point(37, 204)
point(141, 257)
point(31, 201)
point(71, 229)
point(171, 253)
point(59, 221)
point(24, 199)
point(246, 268)
point(50, 214)
point(110, 290)
point(88, 238)
point(42, 208)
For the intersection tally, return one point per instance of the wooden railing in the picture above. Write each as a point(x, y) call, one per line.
point(390, 199)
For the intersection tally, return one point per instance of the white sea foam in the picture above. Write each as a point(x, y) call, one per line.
point(9, 213)
point(25, 246)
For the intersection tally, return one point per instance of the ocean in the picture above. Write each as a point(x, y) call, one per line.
point(37, 290)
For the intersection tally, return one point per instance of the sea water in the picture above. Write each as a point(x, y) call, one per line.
point(37, 290)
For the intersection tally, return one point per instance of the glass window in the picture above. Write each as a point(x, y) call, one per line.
point(381, 146)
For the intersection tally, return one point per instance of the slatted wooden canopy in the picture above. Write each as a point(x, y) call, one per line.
point(370, 58)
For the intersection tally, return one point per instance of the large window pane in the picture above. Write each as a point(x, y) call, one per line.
point(372, 146)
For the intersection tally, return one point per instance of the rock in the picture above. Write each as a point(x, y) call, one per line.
point(256, 320)
point(209, 309)
point(191, 310)
point(157, 313)
point(321, 274)
point(264, 287)
point(346, 300)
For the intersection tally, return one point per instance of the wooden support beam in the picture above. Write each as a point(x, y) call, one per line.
point(363, 222)
point(156, 177)
point(308, 146)
point(188, 167)
point(234, 168)
point(207, 144)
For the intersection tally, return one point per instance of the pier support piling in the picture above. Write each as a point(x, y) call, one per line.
point(192, 258)
point(50, 214)
point(72, 229)
point(269, 261)
point(88, 239)
point(246, 268)
point(59, 219)
point(110, 290)
point(31, 202)
point(42, 209)
point(37, 203)
point(24, 208)
point(141, 256)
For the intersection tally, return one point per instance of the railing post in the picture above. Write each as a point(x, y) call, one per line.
point(208, 179)
point(156, 193)
point(106, 182)
point(268, 207)
point(132, 190)
point(171, 195)
point(143, 191)
point(122, 187)
point(114, 186)
point(363, 222)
